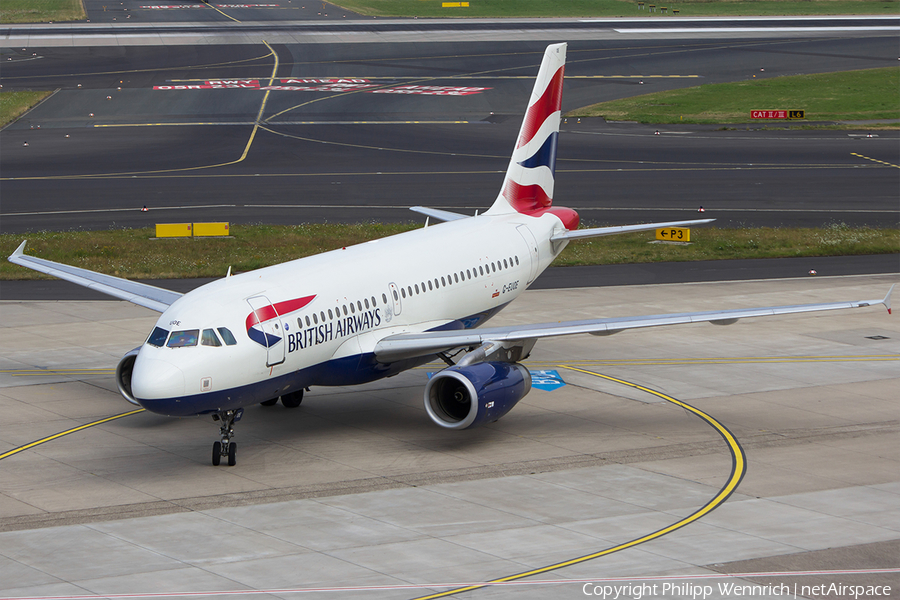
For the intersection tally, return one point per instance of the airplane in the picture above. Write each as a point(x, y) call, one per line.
point(362, 313)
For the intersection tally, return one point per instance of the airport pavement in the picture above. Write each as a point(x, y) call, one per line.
point(356, 489)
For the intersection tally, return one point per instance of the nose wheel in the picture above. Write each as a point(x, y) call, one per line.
point(226, 448)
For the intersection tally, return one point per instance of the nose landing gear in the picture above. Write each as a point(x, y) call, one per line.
point(226, 448)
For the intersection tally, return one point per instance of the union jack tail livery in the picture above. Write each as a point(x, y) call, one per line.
point(528, 186)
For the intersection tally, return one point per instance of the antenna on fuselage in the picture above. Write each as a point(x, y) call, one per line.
point(228, 274)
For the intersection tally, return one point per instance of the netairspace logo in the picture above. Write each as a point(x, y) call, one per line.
point(729, 589)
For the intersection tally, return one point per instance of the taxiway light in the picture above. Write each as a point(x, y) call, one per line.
point(812, 271)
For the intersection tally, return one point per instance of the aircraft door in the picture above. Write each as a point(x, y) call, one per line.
point(532, 248)
point(264, 327)
point(395, 297)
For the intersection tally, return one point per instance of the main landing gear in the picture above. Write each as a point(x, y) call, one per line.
point(291, 400)
point(226, 448)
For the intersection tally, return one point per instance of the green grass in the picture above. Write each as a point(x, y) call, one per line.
point(133, 254)
point(13, 104)
point(870, 94)
point(40, 11)
point(614, 8)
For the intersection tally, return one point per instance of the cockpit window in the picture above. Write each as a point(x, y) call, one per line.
point(227, 336)
point(209, 338)
point(158, 337)
point(183, 339)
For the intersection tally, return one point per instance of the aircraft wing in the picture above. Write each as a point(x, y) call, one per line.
point(577, 234)
point(408, 345)
point(148, 296)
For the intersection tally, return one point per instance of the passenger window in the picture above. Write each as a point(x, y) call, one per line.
point(209, 338)
point(481, 269)
point(229, 337)
point(437, 284)
point(322, 314)
point(367, 302)
point(456, 277)
point(308, 324)
point(417, 289)
point(330, 315)
point(429, 285)
point(353, 308)
point(395, 295)
point(517, 261)
point(183, 339)
point(494, 267)
point(469, 273)
point(384, 298)
point(443, 282)
point(158, 337)
point(345, 310)
point(315, 319)
point(359, 305)
point(403, 292)
point(409, 289)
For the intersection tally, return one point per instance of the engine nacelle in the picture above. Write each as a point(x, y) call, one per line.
point(123, 375)
point(460, 397)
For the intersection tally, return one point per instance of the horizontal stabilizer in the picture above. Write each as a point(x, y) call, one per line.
point(148, 296)
point(578, 234)
point(436, 213)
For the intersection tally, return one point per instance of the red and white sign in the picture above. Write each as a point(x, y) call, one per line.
point(214, 84)
point(329, 85)
point(431, 90)
point(171, 6)
point(768, 114)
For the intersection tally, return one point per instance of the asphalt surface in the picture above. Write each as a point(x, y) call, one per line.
point(558, 277)
point(348, 154)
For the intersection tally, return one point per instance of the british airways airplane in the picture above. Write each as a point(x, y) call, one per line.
point(400, 302)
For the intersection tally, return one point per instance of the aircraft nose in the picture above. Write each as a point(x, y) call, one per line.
point(156, 380)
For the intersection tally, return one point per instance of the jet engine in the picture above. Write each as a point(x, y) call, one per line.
point(460, 397)
point(123, 375)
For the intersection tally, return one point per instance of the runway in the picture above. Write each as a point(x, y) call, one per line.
point(362, 131)
point(357, 490)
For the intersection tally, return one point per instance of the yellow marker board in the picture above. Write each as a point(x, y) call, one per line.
point(173, 230)
point(674, 234)
point(210, 229)
point(454, 4)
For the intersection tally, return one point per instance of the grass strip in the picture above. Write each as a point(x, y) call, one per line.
point(133, 254)
point(614, 8)
point(869, 94)
point(14, 104)
point(41, 11)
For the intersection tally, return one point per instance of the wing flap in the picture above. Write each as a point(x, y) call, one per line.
point(148, 296)
point(408, 345)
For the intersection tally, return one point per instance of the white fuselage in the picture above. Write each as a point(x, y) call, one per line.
point(449, 276)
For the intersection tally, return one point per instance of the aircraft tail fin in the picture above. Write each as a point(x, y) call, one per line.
point(528, 185)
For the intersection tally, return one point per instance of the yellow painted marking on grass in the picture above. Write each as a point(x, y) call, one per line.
point(739, 467)
point(67, 432)
point(875, 160)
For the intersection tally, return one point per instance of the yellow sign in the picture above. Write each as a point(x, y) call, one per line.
point(210, 229)
point(796, 114)
point(173, 230)
point(674, 234)
point(454, 4)
point(167, 230)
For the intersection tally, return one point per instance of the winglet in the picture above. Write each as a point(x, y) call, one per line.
point(887, 299)
point(19, 251)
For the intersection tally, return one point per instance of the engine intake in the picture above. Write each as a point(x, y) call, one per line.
point(461, 397)
point(123, 375)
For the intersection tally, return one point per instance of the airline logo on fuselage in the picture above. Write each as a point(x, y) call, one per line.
point(258, 318)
